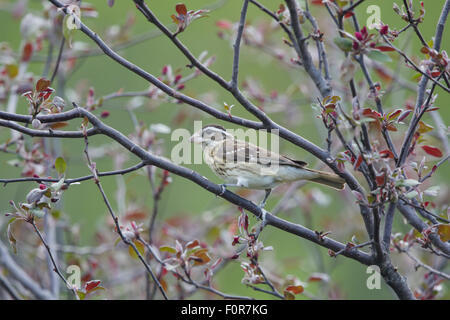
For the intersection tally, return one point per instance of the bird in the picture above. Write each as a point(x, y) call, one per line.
point(245, 165)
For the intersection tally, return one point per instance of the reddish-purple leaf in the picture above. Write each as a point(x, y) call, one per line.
point(367, 112)
point(433, 151)
point(181, 9)
point(295, 289)
point(42, 84)
point(90, 285)
point(404, 115)
point(386, 154)
point(27, 52)
point(385, 48)
point(358, 162)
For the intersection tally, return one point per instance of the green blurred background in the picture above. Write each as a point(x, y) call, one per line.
point(182, 197)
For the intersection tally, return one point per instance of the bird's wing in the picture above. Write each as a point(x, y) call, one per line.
point(239, 151)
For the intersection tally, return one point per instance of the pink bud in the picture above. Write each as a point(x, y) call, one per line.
point(384, 29)
point(364, 32)
point(181, 87)
point(177, 78)
point(42, 186)
point(165, 70)
point(104, 114)
point(355, 45)
point(358, 36)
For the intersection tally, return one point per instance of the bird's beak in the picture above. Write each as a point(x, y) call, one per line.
point(196, 138)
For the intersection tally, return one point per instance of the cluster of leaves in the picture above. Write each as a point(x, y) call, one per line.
point(185, 17)
point(38, 201)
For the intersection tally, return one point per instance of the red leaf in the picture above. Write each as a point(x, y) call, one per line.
point(295, 289)
point(394, 114)
point(348, 15)
point(91, 285)
point(386, 154)
point(27, 52)
point(433, 151)
point(435, 74)
point(42, 84)
point(404, 115)
point(358, 162)
point(391, 127)
point(367, 112)
point(380, 179)
point(181, 9)
point(385, 48)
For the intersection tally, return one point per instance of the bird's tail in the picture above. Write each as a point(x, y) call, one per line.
point(329, 179)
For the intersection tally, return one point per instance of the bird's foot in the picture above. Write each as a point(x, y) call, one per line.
point(263, 219)
point(224, 188)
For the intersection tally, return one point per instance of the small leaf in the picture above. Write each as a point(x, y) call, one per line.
point(12, 240)
point(344, 44)
point(385, 48)
point(192, 244)
point(91, 285)
point(60, 165)
point(37, 213)
point(407, 183)
point(295, 289)
point(13, 70)
point(42, 84)
point(167, 249)
point(433, 151)
point(424, 128)
point(394, 114)
point(81, 294)
point(27, 52)
point(432, 191)
point(411, 194)
point(288, 295)
point(140, 248)
point(181, 9)
point(443, 231)
point(379, 56)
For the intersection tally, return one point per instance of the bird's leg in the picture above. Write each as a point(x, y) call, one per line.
point(263, 203)
point(224, 187)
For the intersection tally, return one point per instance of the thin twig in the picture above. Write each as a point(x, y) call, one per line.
point(237, 45)
point(55, 266)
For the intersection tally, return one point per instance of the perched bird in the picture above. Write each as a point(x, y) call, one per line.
point(242, 164)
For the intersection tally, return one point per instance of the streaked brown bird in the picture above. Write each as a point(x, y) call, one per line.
point(242, 164)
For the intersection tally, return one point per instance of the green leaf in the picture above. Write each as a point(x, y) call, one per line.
point(12, 240)
point(344, 44)
point(37, 213)
point(444, 232)
point(411, 194)
point(58, 185)
point(139, 246)
point(81, 294)
point(432, 191)
point(379, 56)
point(60, 165)
point(407, 183)
point(167, 249)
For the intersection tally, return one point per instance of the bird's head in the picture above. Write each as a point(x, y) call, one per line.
point(210, 134)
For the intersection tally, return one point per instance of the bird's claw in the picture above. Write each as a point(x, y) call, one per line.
point(263, 218)
point(224, 188)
